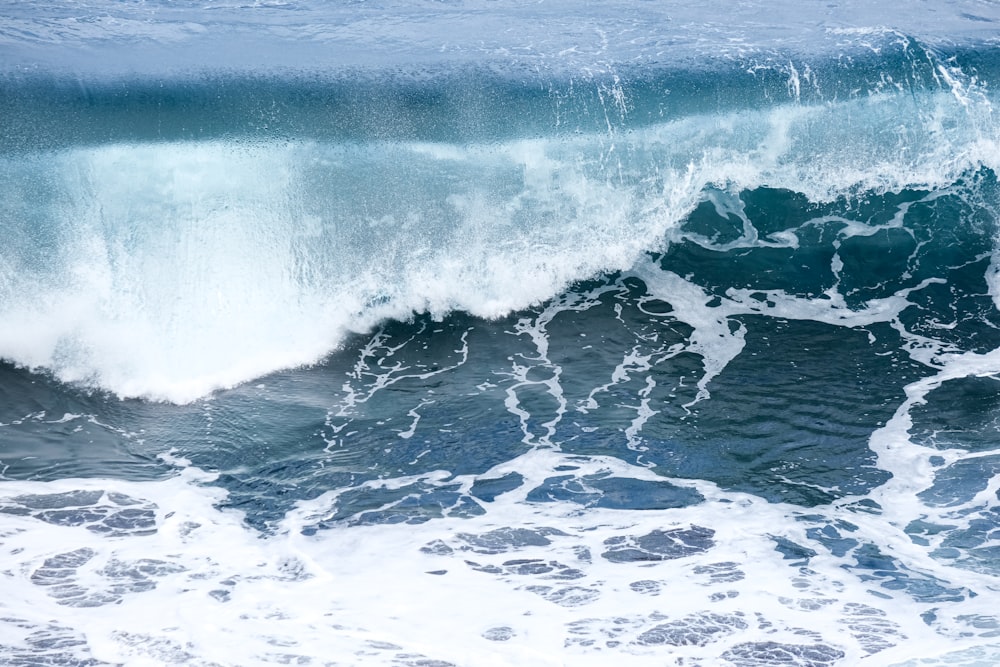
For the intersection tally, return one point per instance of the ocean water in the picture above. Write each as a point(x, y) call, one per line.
point(499, 333)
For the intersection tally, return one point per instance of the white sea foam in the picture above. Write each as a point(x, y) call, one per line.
point(143, 573)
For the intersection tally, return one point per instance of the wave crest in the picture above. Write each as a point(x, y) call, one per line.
point(167, 270)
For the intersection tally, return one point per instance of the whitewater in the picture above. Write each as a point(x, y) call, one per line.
point(494, 333)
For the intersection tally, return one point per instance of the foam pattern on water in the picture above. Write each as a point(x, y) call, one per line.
point(726, 579)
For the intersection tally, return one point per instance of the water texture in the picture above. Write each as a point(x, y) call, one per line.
point(490, 334)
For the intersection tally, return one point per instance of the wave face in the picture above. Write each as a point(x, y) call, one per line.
point(169, 238)
point(386, 333)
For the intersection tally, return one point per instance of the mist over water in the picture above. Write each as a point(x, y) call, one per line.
point(645, 338)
